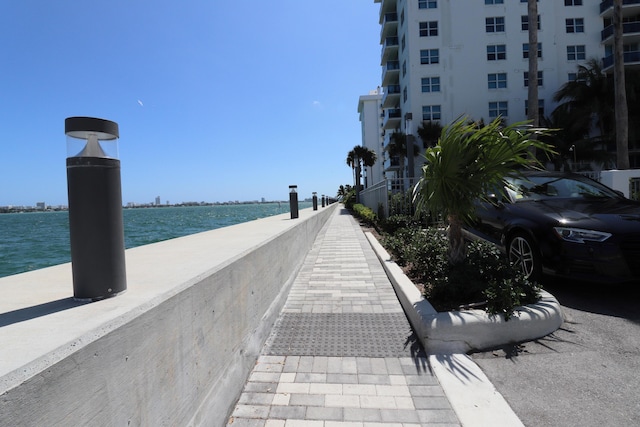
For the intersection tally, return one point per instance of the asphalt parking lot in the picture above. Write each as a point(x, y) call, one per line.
point(587, 373)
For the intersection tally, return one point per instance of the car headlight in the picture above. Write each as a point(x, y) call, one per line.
point(580, 235)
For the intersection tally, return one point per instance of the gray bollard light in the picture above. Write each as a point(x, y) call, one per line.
point(95, 208)
point(315, 201)
point(293, 201)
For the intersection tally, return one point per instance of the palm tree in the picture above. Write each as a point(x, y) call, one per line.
point(467, 162)
point(621, 108)
point(429, 132)
point(357, 158)
point(532, 99)
point(588, 100)
point(397, 147)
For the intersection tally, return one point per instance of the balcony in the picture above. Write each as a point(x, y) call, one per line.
point(386, 6)
point(391, 73)
point(392, 164)
point(630, 31)
point(629, 7)
point(389, 23)
point(389, 49)
point(391, 96)
point(631, 61)
point(392, 118)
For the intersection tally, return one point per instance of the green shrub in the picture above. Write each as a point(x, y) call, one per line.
point(396, 222)
point(365, 214)
point(485, 277)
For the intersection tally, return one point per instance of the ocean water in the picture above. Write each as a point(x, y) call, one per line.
point(30, 241)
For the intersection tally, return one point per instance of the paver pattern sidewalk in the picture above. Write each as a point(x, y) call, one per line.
point(342, 352)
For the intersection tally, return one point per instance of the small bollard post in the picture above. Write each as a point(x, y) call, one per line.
point(315, 201)
point(96, 228)
point(323, 200)
point(293, 201)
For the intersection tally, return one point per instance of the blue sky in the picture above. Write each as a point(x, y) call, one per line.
point(215, 100)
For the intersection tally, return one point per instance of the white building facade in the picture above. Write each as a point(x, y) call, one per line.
point(369, 110)
point(444, 59)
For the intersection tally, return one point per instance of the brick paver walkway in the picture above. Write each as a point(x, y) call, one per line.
point(342, 352)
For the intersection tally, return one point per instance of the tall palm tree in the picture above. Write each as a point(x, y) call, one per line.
point(467, 162)
point(532, 99)
point(588, 99)
point(357, 158)
point(397, 147)
point(429, 132)
point(621, 108)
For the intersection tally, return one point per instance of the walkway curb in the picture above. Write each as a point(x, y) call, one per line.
point(446, 337)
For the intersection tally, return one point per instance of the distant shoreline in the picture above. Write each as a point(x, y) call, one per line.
point(31, 209)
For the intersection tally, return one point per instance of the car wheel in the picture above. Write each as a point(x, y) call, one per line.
point(524, 255)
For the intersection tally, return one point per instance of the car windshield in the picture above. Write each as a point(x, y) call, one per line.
point(551, 187)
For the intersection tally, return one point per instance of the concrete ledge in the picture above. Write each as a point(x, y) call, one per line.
point(467, 330)
point(174, 349)
point(448, 336)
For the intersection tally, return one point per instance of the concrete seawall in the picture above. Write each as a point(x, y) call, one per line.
point(174, 349)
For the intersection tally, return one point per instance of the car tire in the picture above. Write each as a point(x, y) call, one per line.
point(524, 254)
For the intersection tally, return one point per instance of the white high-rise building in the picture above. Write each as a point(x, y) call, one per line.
point(443, 59)
point(370, 109)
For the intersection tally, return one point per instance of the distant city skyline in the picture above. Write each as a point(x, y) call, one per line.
point(215, 101)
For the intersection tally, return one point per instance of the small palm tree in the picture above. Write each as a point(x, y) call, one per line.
point(467, 162)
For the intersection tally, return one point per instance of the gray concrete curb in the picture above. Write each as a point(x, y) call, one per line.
point(447, 336)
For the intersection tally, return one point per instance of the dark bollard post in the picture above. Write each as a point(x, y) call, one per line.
point(293, 201)
point(95, 208)
point(323, 200)
point(315, 201)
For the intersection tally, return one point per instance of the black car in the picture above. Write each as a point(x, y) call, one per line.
point(564, 225)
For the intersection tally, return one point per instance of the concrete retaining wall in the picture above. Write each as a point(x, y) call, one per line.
point(174, 349)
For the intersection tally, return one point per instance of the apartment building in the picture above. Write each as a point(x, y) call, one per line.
point(369, 111)
point(443, 59)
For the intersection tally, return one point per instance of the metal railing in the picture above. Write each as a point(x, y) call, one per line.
point(389, 196)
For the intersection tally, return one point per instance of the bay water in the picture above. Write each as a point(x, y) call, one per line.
point(34, 240)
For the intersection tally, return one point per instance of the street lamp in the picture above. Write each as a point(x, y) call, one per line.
point(95, 208)
point(293, 201)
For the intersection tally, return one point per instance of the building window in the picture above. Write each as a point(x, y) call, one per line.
point(496, 52)
point(576, 53)
point(540, 107)
point(575, 25)
point(498, 108)
point(429, 56)
point(572, 77)
point(427, 4)
point(525, 50)
point(493, 1)
point(524, 19)
point(573, 2)
point(429, 29)
point(526, 78)
point(431, 112)
point(402, 18)
point(404, 68)
point(405, 94)
point(494, 24)
point(497, 80)
point(430, 84)
point(403, 43)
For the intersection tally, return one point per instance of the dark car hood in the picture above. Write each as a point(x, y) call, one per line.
point(613, 215)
